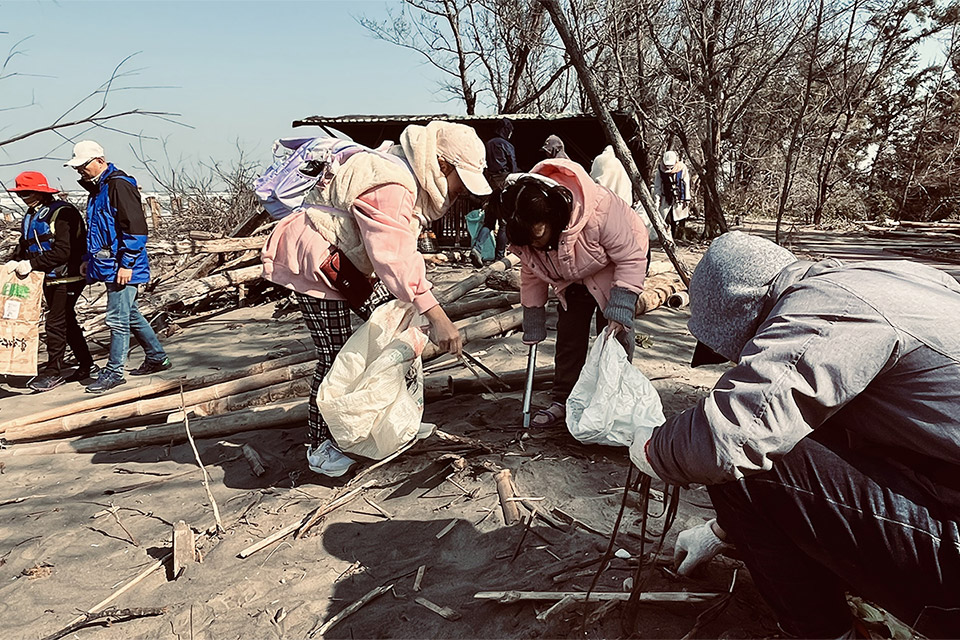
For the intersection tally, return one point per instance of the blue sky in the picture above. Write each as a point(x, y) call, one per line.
point(238, 72)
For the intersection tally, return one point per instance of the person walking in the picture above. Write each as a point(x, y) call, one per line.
point(368, 219)
point(117, 256)
point(53, 241)
point(671, 192)
point(501, 162)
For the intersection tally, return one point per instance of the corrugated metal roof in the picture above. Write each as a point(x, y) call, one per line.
point(333, 121)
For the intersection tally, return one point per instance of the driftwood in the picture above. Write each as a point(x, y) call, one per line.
point(511, 514)
point(303, 524)
point(161, 386)
point(184, 548)
point(219, 245)
point(270, 417)
point(193, 290)
point(119, 592)
point(504, 280)
point(248, 226)
point(444, 612)
point(460, 309)
point(105, 417)
point(107, 617)
point(476, 330)
point(458, 290)
point(436, 387)
point(351, 609)
point(506, 597)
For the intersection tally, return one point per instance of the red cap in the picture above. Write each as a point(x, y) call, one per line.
point(33, 181)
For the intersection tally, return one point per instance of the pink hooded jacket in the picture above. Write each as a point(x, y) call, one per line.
point(604, 246)
point(294, 251)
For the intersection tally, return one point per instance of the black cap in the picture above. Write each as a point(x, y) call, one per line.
point(705, 355)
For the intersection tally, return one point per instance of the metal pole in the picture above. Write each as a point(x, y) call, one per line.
point(528, 389)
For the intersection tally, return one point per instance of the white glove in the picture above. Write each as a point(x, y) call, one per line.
point(24, 268)
point(10, 266)
point(696, 546)
point(638, 452)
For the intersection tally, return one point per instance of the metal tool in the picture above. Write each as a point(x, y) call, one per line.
point(528, 388)
point(479, 378)
point(490, 372)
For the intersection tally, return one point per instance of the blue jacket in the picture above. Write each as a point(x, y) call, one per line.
point(116, 228)
point(53, 239)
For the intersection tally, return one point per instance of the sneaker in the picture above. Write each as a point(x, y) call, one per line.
point(152, 367)
point(328, 460)
point(84, 373)
point(105, 382)
point(476, 258)
point(45, 383)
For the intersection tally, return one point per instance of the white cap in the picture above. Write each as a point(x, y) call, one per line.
point(460, 145)
point(83, 152)
point(669, 159)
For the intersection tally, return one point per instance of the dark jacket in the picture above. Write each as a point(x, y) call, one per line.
point(869, 350)
point(116, 228)
point(53, 238)
point(501, 157)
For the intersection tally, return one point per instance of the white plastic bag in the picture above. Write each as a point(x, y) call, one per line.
point(372, 397)
point(612, 399)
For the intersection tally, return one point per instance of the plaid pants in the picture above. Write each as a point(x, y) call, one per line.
point(329, 325)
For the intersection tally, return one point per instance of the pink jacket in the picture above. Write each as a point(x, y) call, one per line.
point(604, 246)
point(294, 251)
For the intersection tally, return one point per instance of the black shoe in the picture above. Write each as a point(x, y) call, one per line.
point(45, 383)
point(84, 373)
point(105, 382)
point(152, 367)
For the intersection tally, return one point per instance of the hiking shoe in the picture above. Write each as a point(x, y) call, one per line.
point(152, 367)
point(84, 372)
point(105, 382)
point(45, 383)
point(476, 258)
point(328, 460)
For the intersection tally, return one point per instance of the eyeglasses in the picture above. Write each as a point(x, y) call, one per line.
point(84, 165)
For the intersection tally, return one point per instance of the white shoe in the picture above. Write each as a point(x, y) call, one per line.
point(328, 460)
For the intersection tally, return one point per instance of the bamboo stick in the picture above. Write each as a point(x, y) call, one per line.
point(475, 330)
point(193, 290)
point(161, 386)
point(437, 387)
point(507, 597)
point(271, 417)
point(458, 290)
point(105, 417)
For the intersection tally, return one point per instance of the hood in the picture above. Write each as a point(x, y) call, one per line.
point(584, 190)
point(553, 147)
point(729, 288)
point(504, 129)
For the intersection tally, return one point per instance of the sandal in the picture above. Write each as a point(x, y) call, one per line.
point(553, 416)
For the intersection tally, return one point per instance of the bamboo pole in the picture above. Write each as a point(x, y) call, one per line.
point(218, 245)
point(158, 387)
point(589, 84)
point(438, 387)
point(270, 417)
point(458, 290)
point(67, 424)
point(595, 596)
point(475, 330)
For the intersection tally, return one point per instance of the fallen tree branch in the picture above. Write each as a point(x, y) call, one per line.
point(108, 617)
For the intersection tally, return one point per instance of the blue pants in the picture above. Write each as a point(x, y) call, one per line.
point(827, 519)
point(123, 317)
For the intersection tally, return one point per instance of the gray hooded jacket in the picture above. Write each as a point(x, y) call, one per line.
point(871, 348)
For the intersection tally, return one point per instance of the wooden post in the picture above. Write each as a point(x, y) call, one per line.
point(611, 131)
point(511, 513)
point(184, 548)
